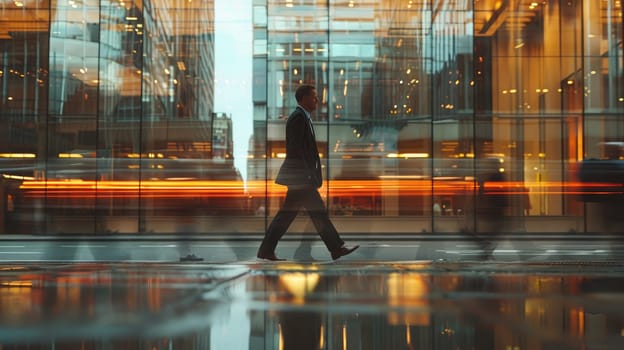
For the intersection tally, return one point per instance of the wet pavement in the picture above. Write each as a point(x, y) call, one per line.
point(566, 295)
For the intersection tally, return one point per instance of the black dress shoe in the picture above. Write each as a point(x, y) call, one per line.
point(269, 257)
point(342, 251)
point(191, 257)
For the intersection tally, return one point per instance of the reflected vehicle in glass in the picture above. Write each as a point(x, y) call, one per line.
point(603, 178)
point(602, 187)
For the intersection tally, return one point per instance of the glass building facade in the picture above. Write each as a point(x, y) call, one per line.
point(153, 116)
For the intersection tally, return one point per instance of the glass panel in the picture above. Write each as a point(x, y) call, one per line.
point(603, 89)
point(256, 162)
point(359, 134)
point(378, 97)
point(452, 105)
point(533, 77)
point(71, 171)
point(119, 116)
point(189, 179)
point(24, 74)
point(603, 94)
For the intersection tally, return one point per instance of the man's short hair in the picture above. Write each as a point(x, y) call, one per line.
point(303, 90)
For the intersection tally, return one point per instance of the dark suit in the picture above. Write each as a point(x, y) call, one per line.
point(301, 172)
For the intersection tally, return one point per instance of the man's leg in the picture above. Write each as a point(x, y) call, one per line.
point(280, 223)
point(318, 213)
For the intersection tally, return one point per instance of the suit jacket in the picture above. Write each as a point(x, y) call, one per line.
point(302, 166)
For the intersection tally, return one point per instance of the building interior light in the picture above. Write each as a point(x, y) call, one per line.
point(407, 155)
point(18, 177)
point(70, 155)
point(18, 155)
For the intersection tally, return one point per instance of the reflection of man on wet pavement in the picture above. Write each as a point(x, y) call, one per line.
point(301, 326)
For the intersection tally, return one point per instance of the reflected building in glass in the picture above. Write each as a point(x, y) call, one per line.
point(121, 116)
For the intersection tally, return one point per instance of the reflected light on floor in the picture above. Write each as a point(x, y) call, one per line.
point(20, 284)
point(299, 284)
point(408, 291)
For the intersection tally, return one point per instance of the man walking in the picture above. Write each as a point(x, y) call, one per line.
point(301, 172)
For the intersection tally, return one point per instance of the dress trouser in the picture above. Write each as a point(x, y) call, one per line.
point(310, 199)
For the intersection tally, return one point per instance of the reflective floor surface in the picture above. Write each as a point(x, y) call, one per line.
point(315, 305)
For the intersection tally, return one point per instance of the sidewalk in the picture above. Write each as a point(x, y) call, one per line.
point(309, 248)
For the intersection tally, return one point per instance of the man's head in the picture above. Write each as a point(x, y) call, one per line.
point(306, 97)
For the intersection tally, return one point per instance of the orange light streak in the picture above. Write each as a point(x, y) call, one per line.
point(259, 188)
